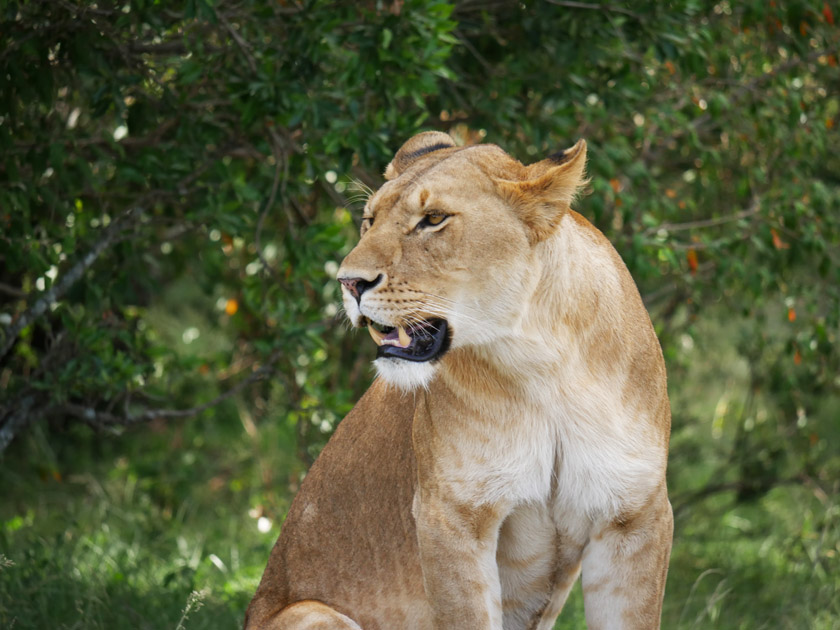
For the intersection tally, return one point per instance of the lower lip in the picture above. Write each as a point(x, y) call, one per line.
point(440, 344)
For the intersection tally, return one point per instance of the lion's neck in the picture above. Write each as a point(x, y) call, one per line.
point(577, 300)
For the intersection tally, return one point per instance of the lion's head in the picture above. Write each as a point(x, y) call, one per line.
point(448, 250)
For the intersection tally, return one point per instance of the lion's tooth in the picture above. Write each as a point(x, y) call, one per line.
point(376, 335)
point(405, 340)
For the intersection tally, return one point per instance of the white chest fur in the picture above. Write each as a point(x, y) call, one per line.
point(576, 453)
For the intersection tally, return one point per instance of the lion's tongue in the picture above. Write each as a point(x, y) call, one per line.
point(397, 337)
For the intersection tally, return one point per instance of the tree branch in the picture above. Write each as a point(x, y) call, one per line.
point(110, 236)
point(280, 171)
point(244, 46)
point(752, 209)
point(685, 500)
point(105, 418)
point(606, 8)
point(23, 414)
point(68, 279)
point(18, 419)
point(10, 290)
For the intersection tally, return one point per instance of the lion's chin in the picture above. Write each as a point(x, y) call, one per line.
point(405, 375)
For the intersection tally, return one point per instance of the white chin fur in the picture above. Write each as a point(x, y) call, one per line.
point(405, 375)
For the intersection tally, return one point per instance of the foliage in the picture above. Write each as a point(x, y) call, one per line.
point(179, 180)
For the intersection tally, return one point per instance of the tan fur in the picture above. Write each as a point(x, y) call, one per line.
point(470, 492)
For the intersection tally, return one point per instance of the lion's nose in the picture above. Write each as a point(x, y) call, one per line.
point(357, 286)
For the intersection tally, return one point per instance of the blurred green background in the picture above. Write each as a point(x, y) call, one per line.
point(178, 181)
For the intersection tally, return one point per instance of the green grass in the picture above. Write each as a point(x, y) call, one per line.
point(130, 532)
point(94, 559)
point(768, 564)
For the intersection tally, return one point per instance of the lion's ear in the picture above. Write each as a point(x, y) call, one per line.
point(543, 198)
point(421, 144)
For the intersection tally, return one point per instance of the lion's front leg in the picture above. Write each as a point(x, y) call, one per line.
point(624, 569)
point(458, 556)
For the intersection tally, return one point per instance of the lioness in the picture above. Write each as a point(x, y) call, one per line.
point(517, 434)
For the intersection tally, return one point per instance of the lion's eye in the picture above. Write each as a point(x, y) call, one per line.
point(432, 220)
point(367, 223)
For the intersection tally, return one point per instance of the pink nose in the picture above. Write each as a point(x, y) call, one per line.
point(351, 284)
point(357, 286)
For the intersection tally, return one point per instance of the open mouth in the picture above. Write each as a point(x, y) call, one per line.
point(419, 342)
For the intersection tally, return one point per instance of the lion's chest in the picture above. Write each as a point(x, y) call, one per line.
point(581, 467)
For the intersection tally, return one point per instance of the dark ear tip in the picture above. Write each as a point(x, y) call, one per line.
point(561, 157)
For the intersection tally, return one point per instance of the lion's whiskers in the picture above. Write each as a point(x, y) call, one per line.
point(444, 302)
point(444, 311)
point(359, 192)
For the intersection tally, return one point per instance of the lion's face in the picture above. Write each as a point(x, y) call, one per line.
point(446, 256)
